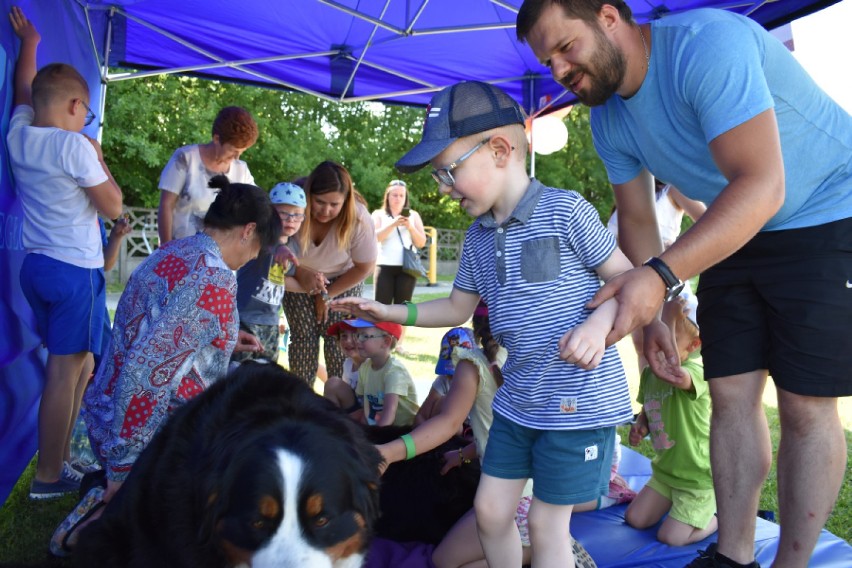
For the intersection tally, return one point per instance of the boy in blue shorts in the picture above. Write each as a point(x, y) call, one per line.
point(63, 183)
point(535, 255)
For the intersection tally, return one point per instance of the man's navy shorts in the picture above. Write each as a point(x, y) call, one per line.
point(783, 303)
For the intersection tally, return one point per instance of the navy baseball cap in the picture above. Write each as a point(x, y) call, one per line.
point(460, 110)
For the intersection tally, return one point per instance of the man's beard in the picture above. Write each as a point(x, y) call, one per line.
point(605, 72)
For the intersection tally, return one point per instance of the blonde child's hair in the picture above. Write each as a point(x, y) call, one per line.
point(56, 82)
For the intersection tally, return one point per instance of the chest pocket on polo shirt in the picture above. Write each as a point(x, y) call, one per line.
point(540, 260)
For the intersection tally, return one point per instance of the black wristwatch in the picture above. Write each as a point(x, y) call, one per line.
point(674, 285)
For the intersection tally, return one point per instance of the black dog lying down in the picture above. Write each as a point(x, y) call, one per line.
point(417, 502)
point(258, 470)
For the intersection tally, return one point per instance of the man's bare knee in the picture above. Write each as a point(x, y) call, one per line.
point(802, 416)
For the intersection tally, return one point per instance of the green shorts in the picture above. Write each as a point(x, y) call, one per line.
point(694, 507)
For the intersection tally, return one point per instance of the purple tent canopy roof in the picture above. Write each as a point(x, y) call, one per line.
point(397, 51)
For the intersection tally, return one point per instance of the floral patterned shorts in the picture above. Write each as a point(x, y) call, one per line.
point(521, 519)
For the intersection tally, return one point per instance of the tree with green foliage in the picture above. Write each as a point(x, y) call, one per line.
point(147, 119)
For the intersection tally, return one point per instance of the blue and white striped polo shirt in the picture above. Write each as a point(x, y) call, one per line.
point(536, 273)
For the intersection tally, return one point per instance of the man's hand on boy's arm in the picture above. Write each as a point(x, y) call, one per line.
point(25, 69)
point(639, 429)
point(659, 347)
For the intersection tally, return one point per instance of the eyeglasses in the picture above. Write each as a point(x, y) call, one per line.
point(365, 336)
point(398, 182)
point(292, 216)
point(444, 176)
point(90, 116)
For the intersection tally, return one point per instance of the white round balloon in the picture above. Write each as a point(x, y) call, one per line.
point(549, 135)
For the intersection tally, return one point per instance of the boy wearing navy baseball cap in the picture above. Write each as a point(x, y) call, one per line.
point(535, 255)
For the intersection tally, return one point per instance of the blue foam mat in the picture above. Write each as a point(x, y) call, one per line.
point(613, 544)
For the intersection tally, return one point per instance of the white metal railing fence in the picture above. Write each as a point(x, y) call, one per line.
point(143, 239)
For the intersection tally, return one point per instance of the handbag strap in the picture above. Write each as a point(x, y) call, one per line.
point(403, 241)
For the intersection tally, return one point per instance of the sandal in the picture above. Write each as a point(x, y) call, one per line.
point(582, 559)
point(65, 536)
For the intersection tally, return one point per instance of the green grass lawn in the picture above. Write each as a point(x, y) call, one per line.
point(26, 525)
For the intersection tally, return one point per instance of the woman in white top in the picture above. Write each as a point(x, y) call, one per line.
point(184, 193)
point(397, 226)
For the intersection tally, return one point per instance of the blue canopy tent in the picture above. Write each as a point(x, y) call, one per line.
point(396, 51)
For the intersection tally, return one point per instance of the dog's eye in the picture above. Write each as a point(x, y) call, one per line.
point(320, 522)
point(258, 524)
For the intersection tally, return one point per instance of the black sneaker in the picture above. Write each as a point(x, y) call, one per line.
point(708, 559)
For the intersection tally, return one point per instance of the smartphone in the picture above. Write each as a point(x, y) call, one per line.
point(406, 211)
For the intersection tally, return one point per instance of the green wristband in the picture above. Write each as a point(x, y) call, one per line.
point(412, 314)
point(410, 450)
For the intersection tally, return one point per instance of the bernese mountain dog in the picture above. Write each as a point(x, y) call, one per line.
point(257, 471)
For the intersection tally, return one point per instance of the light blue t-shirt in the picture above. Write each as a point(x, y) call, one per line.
point(710, 71)
point(536, 272)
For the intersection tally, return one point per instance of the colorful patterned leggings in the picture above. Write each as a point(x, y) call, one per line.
point(305, 333)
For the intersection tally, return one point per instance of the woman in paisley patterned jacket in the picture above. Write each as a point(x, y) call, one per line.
point(175, 327)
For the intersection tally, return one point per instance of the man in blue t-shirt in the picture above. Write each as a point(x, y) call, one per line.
point(710, 102)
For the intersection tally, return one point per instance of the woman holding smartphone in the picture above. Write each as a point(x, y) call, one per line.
point(397, 226)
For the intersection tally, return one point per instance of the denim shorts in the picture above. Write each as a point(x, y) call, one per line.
point(69, 303)
point(567, 466)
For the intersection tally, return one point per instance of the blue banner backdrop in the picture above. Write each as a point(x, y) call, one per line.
point(22, 359)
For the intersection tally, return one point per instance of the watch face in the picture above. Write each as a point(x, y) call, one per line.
point(674, 291)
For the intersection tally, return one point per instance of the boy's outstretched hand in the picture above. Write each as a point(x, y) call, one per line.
point(363, 308)
point(24, 28)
